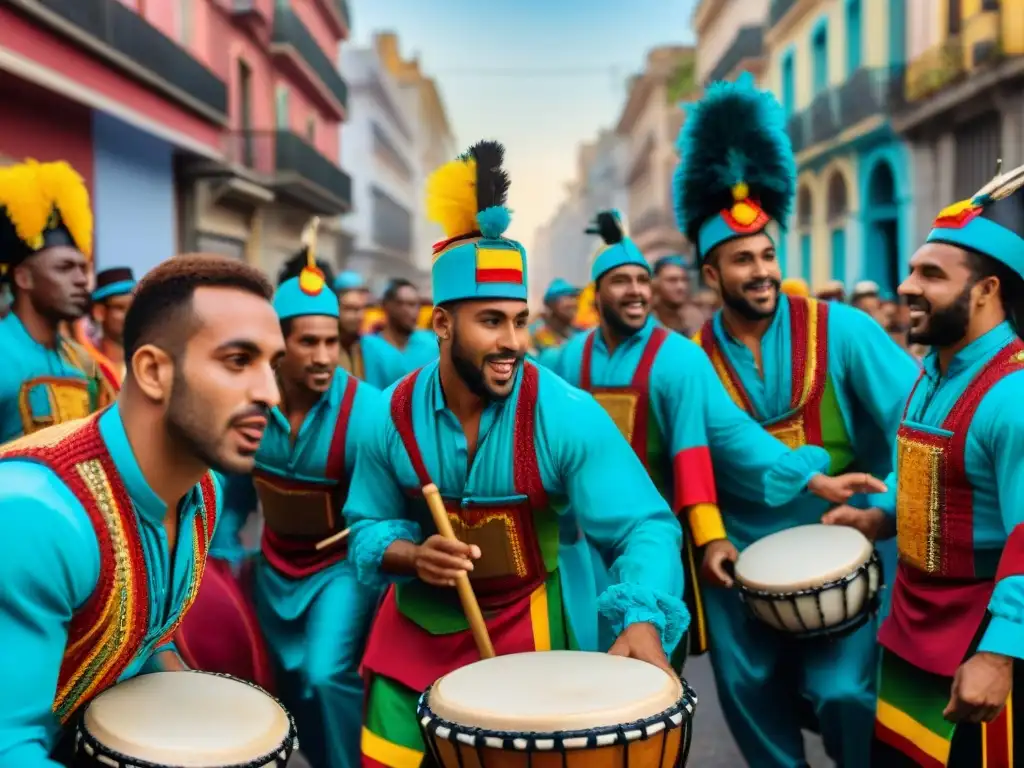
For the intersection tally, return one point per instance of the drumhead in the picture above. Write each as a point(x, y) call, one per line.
point(188, 719)
point(553, 691)
point(803, 557)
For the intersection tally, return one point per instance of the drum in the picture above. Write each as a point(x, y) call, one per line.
point(558, 709)
point(184, 720)
point(812, 580)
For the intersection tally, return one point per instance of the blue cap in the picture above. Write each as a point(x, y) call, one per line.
point(305, 295)
point(348, 281)
point(618, 250)
point(560, 288)
point(116, 281)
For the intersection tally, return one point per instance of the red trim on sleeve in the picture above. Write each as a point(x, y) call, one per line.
point(694, 478)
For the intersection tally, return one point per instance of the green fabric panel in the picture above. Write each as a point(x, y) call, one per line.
point(833, 431)
point(391, 713)
point(557, 625)
point(916, 693)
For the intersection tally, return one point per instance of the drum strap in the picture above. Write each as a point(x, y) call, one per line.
point(525, 467)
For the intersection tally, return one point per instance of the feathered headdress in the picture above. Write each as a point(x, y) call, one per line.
point(618, 249)
point(737, 170)
point(43, 205)
point(468, 197)
point(304, 283)
point(991, 221)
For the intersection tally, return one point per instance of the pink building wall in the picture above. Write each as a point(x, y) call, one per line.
point(312, 15)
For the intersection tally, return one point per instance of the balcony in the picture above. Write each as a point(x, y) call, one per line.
point(259, 13)
point(748, 44)
point(869, 92)
point(949, 63)
point(778, 9)
point(128, 42)
point(298, 54)
point(293, 169)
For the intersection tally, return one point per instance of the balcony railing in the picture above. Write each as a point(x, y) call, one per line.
point(870, 91)
point(748, 44)
point(291, 33)
point(944, 65)
point(294, 168)
point(778, 9)
point(166, 64)
point(824, 117)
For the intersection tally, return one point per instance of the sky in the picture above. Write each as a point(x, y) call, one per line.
point(540, 76)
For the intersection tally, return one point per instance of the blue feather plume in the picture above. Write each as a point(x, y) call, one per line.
point(736, 133)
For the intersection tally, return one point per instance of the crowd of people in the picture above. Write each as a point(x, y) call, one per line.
point(601, 484)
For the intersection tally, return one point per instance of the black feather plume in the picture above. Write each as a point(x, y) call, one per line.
point(607, 225)
point(491, 179)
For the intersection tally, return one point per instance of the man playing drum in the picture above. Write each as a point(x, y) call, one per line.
point(954, 638)
point(664, 396)
point(812, 374)
point(511, 446)
point(107, 520)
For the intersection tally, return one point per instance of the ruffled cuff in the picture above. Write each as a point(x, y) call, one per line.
point(788, 477)
point(370, 540)
point(626, 604)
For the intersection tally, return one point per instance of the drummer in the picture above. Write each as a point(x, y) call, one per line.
point(312, 610)
point(102, 516)
point(501, 439)
point(953, 643)
point(678, 408)
point(812, 373)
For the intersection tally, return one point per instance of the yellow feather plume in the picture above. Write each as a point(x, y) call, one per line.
point(32, 192)
point(451, 197)
point(311, 279)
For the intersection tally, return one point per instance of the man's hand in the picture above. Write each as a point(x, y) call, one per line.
point(840, 488)
point(981, 686)
point(439, 561)
point(717, 554)
point(642, 641)
point(873, 522)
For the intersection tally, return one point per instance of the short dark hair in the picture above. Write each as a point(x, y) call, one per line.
point(1011, 285)
point(397, 284)
point(669, 261)
point(161, 309)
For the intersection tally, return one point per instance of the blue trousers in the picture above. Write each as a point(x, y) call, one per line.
point(763, 679)
point(316, 629)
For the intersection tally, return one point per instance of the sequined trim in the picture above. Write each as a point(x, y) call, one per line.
point(920, 501)
point(471, 526)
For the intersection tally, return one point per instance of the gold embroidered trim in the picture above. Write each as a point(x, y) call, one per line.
point(490, 533)
point(790, 433)
point(68, 400)
point(919, 503)
point(621, 406)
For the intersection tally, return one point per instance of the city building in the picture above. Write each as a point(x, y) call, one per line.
point(380, 151)
point(836, 67)
point(197, 124)
point(434, 141)
point(650, 123)
point(963, 101)
point(730, 39)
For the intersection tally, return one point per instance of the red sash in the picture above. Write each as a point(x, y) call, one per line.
point(292, 554)
point(941, 593)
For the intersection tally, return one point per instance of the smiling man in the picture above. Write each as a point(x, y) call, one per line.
point(108, 519)
point(45, 250)
point(501, 439)
point(954, 640)
point(812, 374)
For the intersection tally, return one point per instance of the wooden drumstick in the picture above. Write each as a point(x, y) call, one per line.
point(469, 604)
point(332, 539)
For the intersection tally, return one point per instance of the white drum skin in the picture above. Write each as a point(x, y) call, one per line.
point(187, 719)
point(809, 579)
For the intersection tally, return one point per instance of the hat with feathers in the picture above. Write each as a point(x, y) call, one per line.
point(467, 197)
point(737, 172)
point(990, 222)
point(42, 205)
point(304, 285)
point(617, 250)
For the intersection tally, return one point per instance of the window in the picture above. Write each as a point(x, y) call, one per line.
point(281, 107)
point(853, 43)
point(819, 53)
point(392, 223)
point(805, 257)
point(953, 17)
point(186, 21)
point(839, 254)
point(788, 84)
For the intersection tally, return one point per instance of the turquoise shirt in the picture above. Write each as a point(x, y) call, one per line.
point(421, 349)
point(24, 359)
point(870, 379)
point(383, 365)
point(993, 453)
point(50, 566)
point(691, 409)
point(239, 500)
point(583, 460)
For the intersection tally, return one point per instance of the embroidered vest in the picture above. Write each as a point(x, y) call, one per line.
point(69, 398)
point(801, 425)
point(298, 514)
point(510, 536)
point(107, 632)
